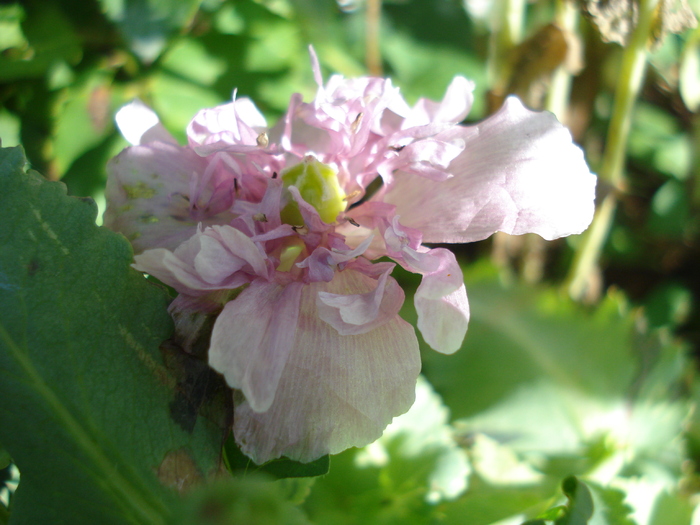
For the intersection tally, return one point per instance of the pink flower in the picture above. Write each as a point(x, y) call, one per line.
point(280, 218)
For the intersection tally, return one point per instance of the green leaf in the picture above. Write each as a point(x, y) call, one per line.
point(87, 397)
point(148, 24)
point(484, 504)
point(671, 508)
point(250, 501)
point(83, 119)
point(580, 507)
point(278, 468)
point(51, 40)
point(5, 458)
point(11, 27)
point(610, 506)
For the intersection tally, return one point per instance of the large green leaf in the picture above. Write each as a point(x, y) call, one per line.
point(250, 501)
point(92, 413)
point(148, 24)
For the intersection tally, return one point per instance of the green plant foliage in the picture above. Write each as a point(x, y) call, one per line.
point(534, 401)
point(402, 477)
point(539, 335)
point(87, 414)
point(50, 39)
point(147, 25)
point(237, 462)
point(250, 501)
point(580, 506)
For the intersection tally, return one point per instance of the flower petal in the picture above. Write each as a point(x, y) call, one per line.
point(139, 124)
point(441, 303)
point(519, 173)
point(336, 391)
point(453, 108)
point(252, 339)
point(352, 314)
point(238, 123)
point(148, 195)
point(216, 258)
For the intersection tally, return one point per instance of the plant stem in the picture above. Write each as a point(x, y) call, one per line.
point(507, 23)
point(634, 60)
point(373, 57)
point(566, 17)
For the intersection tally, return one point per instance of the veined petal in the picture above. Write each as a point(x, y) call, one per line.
point(252, 339)
point(148, 195)
point(336, 391)
point(441, 304)
point(352, 314)
point(519, 173)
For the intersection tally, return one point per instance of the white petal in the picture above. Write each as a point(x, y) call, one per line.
point(139, 124)
point(336, 391)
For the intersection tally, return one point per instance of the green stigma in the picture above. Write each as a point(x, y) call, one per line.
point(318, 185)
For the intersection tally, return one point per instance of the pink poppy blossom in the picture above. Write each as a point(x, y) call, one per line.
point(275, 229)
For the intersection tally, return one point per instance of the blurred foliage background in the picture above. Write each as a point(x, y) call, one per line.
point(603, 385)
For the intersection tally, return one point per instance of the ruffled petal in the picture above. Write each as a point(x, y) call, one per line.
point(148, 191)
point(236, 124)
point(252, 339)
point(454, 107)
point(441, 304)
point(336, 391)
point(217, 258)
point(519, 173)
point(352, 314)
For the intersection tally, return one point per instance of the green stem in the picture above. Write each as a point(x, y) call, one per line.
point(566, 17)
point(634, 60)
point(507, 16)
point(373, 57)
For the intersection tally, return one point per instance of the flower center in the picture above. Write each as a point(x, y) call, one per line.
point(318, 185)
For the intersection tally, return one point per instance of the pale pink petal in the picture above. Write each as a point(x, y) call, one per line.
point(252, 339)
point(242, 247)
point(323, 262)
point(428, 158)
point(171, 270)
point(519, 173)
point(454, 106)
point(441, 304)
point(236, 126)
point(148, 196)
point(215, 262)
point(218, 258)
point(139, 124)
point(336, 391)
point(360, 313)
